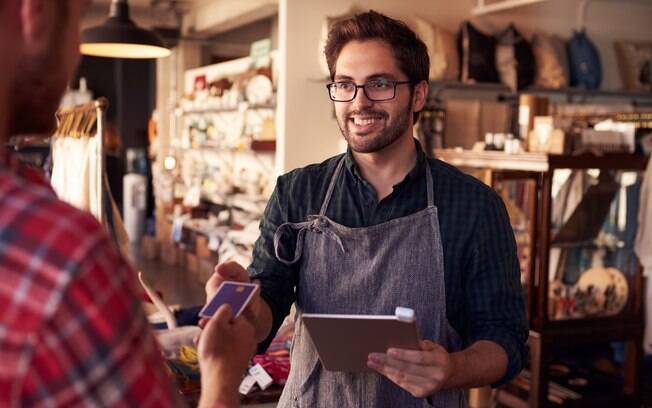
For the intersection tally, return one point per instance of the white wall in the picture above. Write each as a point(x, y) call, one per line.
point(305, 113)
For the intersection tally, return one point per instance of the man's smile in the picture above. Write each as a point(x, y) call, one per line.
point(365, 123)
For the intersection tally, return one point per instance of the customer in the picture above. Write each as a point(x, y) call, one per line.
point(384, 226)
point(72, 330)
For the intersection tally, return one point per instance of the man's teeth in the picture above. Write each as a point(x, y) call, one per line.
point(364, 121)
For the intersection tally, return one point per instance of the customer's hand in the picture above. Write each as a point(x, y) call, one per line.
point(225, 348)
point(232, 271)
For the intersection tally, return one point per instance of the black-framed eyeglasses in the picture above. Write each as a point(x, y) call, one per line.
point(376, 90)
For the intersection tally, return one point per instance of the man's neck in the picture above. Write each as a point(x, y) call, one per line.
point(388, 167)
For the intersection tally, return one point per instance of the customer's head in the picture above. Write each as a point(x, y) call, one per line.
point(409, 51)
point(9, 42)
point(48, 57)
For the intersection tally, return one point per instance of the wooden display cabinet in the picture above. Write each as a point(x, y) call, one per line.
point(539, 237)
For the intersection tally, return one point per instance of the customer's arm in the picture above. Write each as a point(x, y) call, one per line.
point(94, 346)
point(225, 347)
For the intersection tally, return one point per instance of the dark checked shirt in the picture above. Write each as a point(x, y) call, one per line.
point(483, 293)
point(72, 330)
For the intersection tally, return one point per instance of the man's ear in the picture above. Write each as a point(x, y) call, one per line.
point(420, 95)
point(37, 18)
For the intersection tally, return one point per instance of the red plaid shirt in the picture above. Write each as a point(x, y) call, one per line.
point(72, 330)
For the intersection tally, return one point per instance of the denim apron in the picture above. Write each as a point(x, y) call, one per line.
point(369, 270)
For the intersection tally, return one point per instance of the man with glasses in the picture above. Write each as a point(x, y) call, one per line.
point(383, 226)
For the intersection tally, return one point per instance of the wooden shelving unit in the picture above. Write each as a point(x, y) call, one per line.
point(548, 335)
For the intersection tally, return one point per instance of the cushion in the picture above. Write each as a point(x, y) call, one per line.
point(442, 50)
point(514, 59)
point(477, 55)
point(634, 61)
point(551, 62)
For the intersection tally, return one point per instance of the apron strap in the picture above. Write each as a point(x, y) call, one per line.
point(331, 187)
point(288, 227)
point(315, 223)
point(431, 198)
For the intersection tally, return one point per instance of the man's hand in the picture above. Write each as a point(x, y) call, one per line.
point(420, 372)
point(257, 311)
point(424, 372)
point(224, 349)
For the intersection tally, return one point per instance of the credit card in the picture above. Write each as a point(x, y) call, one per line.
point(235, 294)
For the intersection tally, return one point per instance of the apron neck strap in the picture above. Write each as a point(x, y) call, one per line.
point(331, 187)
point(431, 198)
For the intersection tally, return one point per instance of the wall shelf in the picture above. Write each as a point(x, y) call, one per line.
point(502, 92)
point(482, 8)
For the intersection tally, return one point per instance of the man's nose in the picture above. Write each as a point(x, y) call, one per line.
point(361, 100)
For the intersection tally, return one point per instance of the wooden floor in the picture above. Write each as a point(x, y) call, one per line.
point(175, 283)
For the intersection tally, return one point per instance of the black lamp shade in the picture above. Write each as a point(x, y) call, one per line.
point(120, 37)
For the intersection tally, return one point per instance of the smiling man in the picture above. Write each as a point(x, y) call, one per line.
point(383, 226)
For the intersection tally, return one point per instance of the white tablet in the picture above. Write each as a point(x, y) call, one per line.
point(343, 342)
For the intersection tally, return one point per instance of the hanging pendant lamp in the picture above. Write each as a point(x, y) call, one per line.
point(120, 37)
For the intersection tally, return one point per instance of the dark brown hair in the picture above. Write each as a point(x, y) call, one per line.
point(410, 52)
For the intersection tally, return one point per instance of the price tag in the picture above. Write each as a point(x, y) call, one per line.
point(262, 378)
point(247, 384)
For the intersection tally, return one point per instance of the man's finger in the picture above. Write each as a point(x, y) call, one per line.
point(385, 361)
point(414, 384)
point(215, 327)
point(223, 315)
point(419, 357)
point(427, 345)
point(202, 322)
point(232, 271)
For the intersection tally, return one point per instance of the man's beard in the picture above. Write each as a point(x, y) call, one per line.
point(385, 137)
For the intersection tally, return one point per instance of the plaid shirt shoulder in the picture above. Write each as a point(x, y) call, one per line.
point(72, 330)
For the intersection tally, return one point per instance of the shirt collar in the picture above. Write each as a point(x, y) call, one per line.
point(10, 164)
point(416, 171)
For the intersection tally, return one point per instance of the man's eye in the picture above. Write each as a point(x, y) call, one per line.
point(379, 84)
point(344, 86)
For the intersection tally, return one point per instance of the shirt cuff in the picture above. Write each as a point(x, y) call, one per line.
point(516, 353)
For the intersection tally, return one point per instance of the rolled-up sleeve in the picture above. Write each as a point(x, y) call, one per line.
point(494, 295)
point(277, 280)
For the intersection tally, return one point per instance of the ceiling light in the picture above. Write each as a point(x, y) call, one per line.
point(120, 37)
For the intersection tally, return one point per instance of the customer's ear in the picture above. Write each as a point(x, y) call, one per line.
point(37, 21)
